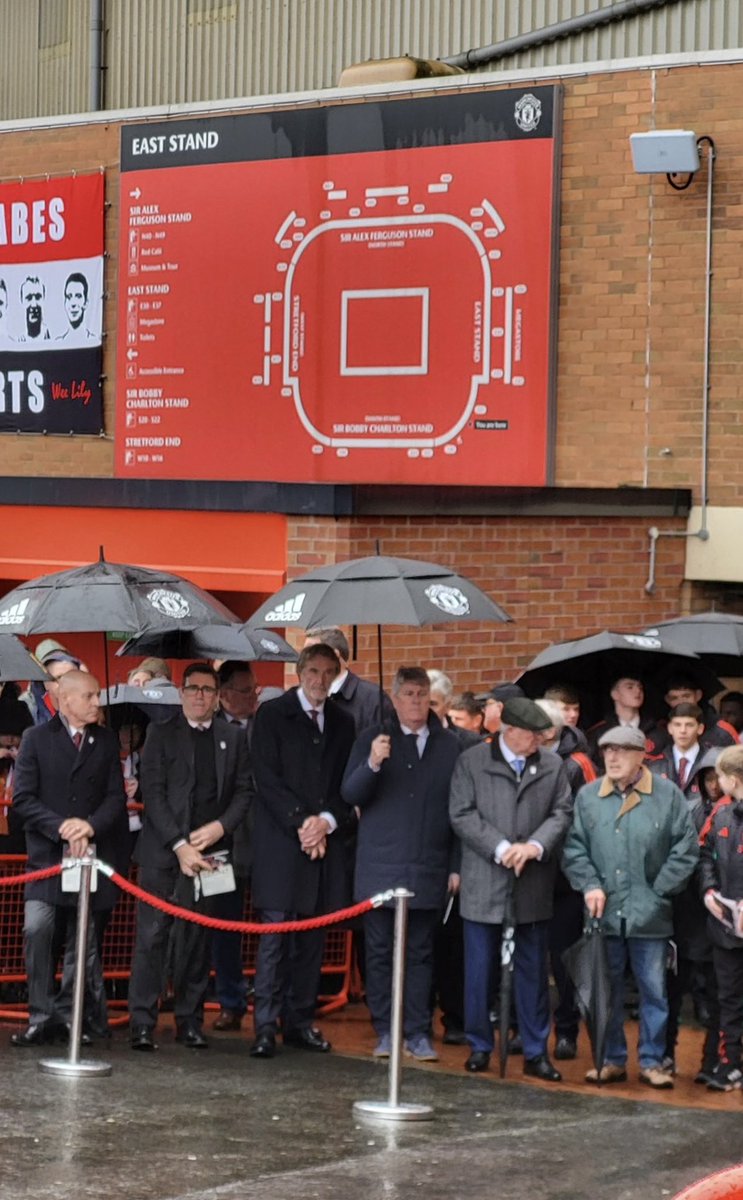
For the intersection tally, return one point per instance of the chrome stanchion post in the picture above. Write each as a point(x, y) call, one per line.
point(392, 1109)
point(73, 1065)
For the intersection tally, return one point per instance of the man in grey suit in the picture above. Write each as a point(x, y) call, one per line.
point(510, 804)
point(195, 777)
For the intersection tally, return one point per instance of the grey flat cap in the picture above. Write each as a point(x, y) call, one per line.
point(624, 736)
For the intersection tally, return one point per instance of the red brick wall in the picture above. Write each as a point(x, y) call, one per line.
point(558, 578)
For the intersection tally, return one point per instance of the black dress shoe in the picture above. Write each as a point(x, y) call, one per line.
point(454, 1037)
point(541, 1068)
point(191, 1036)
point(141, 1038)
point(565, 1048)
point(63, 1033)
point(479, 1060)
point(264, 1046)
point(309, 1038)
point(515, 1045)
point(33, 1035)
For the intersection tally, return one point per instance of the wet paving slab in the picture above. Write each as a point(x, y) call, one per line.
point(218, 1125)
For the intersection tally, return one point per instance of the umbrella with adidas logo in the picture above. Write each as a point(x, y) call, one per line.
point(106, 596)
point(377, 590)
point(103, 596)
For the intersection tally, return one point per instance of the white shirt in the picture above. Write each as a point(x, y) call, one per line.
point(338, 682)
point(71, 729)
point(421, 737)
point(308, 707)
point(200, 724)
point(691, 755)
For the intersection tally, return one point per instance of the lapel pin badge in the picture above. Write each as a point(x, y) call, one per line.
point(532, 770)
point(90, 741)
point(222, 745)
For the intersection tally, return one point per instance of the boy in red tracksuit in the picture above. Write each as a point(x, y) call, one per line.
point(721, 873)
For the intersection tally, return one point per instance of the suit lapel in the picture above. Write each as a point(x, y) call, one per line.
point(63, 744)
point(220, 753)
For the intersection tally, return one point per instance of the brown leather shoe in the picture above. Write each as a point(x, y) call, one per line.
point(228, 1021)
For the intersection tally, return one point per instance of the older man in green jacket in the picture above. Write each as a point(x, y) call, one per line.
point(632, 846)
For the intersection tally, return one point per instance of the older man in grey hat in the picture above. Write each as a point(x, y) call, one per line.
point(631, 847)
point(510, 804)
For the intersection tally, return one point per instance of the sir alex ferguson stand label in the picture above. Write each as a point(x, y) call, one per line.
point(356, 293)
point(51, 305)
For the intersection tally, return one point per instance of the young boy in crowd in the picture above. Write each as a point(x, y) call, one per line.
point(721, 874)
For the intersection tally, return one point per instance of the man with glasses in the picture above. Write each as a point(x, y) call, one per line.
point(238, 701)
point(632, 847)
point(195, 775)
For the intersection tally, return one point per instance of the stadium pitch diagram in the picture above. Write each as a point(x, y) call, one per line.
point(363, 316)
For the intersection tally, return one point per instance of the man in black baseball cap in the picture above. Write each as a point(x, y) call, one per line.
point(510, 805)
point(493, 701)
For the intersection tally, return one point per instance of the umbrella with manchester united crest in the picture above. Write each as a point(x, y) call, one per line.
point(105, 597)
point(377, 590)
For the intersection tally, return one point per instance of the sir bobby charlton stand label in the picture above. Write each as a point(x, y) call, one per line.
point(51, 305)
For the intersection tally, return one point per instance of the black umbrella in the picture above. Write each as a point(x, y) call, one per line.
point(593, 663)
point(507, 951)
point(157, 701)
point(716, 637)
point(378, 590)
point(106, 596)
point(587, 965)
point(16, 662)
point(214, 641)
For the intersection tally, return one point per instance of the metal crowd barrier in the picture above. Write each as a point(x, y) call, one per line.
point(118, 947)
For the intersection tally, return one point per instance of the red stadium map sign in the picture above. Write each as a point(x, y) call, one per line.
point(366, 316)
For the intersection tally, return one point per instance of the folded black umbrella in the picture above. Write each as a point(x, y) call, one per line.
point(587, 965)
point(507, 951)
point(716, 637)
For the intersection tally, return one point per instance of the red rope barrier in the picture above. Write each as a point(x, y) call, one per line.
point(31, 876)
point(343, 914)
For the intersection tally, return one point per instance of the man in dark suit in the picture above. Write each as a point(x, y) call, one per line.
point(356, 696)
point(68, 787)
point(300, 749)
point(400, 782)
point(238, 700)
point(196, 780)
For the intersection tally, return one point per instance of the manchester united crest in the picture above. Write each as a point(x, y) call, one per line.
point(528, 113)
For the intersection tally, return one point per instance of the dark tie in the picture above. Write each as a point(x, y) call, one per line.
point(77, 740)
point(683, 767)
point(314, 717)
